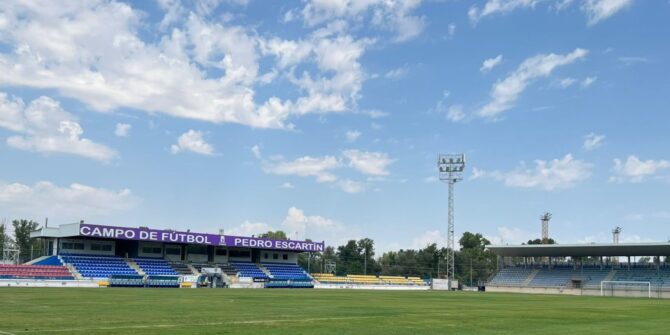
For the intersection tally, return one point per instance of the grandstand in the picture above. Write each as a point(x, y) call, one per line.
point(144, 257)
point(366, 280)
point(582, 269)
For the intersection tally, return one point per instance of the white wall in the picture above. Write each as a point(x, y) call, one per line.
point(172, 257)
point(87, 247)
point(196, 257)
point(240, 259)
point(220, 258)
point(292, 257)
point(141, 253)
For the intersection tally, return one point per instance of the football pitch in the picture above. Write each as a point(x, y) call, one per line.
point(237, 311)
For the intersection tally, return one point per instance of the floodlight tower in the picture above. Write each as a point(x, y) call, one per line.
point(545, 227)
point(615, 235)
point(451, 168)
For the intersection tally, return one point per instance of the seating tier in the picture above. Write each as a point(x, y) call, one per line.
point(35, 272)
point(155, 266)
point(94, 266)
point(286, 271)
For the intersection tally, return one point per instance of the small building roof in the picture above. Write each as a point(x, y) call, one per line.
point(577, 250)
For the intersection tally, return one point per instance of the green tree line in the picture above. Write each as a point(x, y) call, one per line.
point(473, 263)
point(28, 249)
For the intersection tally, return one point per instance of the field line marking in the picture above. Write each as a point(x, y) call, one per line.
point(6, 333)
point(145, 326)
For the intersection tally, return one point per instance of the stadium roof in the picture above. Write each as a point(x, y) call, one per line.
point(563, 250)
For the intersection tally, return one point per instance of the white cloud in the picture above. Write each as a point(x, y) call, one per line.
point(456, 113)
point(630, 60)
point(430, 179)
point(513, 235)
point(287, 185)
point(351, 186)
point(393, 16)
point(373, 164)
point(370, 163)
point(451, 29)
point(257, 151)
point(566, 82)
point(547, 175)
point(588, 81)
point(428, 238)
point(593, 141)
point(122, 129)
point(396, 73)
point(490, 63)
point(192, 141)
point(319, 167)
point(198, 69)
point(505, 92)
point(316, 227)
point(299, 226)
point(375, 114)
point(635, 170)
point(248, 228)
point(595, 10)
point(498, 7)
point(563, 4)
point(352, 135)
point(45, 199)
point(598, 10)
point(46, 128)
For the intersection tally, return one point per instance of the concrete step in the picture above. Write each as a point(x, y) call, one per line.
point(135, 267)
point(530, 277)
point(193, 269)
point(36, 260)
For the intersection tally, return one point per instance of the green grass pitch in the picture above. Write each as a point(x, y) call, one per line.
point(231, 311)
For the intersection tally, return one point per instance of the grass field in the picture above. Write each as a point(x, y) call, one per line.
point(227, 311)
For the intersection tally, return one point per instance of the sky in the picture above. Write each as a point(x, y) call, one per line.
point(324, 118)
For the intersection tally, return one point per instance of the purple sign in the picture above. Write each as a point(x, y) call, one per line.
point(170, 236)
point(262, 243)
point(154, 235)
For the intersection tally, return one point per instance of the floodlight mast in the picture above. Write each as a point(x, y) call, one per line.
point(451, 168)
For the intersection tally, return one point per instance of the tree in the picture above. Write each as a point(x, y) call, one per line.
point(27, 248)
point(348, 259)
point(2, 237)
point(474, 263)
point(473, 241)
point(366, 250)
point(274, 235)
point(539, 241)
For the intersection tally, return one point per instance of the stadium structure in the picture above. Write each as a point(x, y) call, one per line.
point(88, 255)
point(583, 269)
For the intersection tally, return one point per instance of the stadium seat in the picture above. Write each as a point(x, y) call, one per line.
point(54, 272)
point(97, 266)
point(155, 266)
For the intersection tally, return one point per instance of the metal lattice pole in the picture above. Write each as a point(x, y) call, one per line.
point(450, 233)
point(451, 171)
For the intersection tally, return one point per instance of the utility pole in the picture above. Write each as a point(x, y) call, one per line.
point(365, 261)
point(470, 271)
point(451, 168)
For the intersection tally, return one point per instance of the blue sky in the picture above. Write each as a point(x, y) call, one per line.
point(324, 118)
